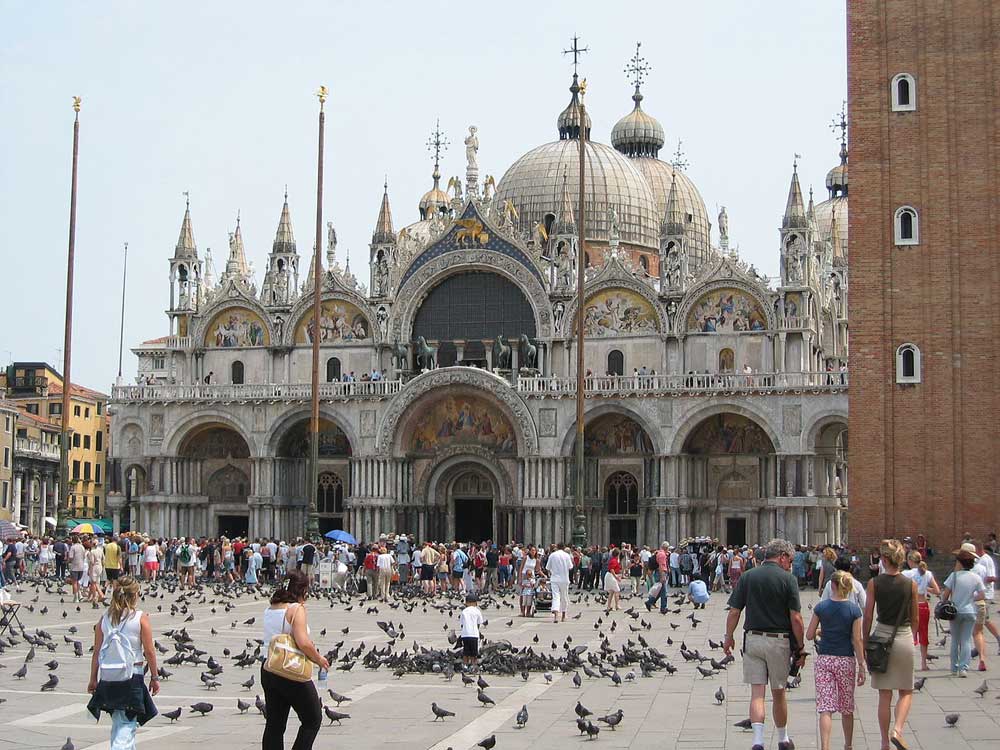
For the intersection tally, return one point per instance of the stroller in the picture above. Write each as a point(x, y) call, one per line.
point(543, 596)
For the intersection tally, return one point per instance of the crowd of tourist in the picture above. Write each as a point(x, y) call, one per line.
point(860, 631)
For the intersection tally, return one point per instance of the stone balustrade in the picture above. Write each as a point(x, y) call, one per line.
point(539, 387)
point(36, 449)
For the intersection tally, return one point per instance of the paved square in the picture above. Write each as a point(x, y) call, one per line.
point(660, 711)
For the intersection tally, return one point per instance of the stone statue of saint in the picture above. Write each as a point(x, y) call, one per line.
point(331, 238)
point(472, 148)
point(613, 234)
point(558, 310)
point(723, 224)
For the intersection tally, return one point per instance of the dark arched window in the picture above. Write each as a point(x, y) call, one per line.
point(475, 305)
point(621, 493)
point(586, 260)
point(644, 262)
point(330, 493)
point(332, 370)
point(616, 362)
point(907, 227)
point(236, 369)
point(904, 93)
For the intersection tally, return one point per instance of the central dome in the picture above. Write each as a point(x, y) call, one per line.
point(534, 184)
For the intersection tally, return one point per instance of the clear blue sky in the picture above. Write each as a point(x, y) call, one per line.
point(217, 98)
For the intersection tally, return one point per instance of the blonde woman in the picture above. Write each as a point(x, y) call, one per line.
point(892, 607)
point(129, 702)
point(827, 566)
point(926, 586)
point(840, 663)
point(95, 566)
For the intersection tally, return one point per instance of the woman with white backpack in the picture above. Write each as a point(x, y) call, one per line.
point(121, 638)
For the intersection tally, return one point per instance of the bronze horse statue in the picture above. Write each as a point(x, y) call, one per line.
point(400, 356)
point(527, 353)
point(501, 354)
point(425, 354)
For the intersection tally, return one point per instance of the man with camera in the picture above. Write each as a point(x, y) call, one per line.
point(772, 636)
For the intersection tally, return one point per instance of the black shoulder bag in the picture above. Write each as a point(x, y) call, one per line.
point(877, 647)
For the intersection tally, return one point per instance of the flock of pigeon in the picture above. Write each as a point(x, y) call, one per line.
point(634, 657)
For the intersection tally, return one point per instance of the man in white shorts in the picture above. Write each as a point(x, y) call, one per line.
point(559, 564)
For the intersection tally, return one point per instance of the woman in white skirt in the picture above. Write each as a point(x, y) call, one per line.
point(612, 580)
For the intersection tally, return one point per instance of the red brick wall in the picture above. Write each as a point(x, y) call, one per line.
point(925, 458)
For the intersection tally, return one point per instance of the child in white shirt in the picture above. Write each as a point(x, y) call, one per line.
point(471, 619)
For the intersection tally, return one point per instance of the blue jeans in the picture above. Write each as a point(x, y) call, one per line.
point(961, 641)
point(122, 731)
point(662, 577)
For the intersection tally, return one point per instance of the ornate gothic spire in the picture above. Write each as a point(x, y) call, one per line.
point(284, 240)
point(795, 213)
point(237, 267)
point(185, 241)
point(384, 233)
point(566, 223)
point(673, 219)
point(838, 248)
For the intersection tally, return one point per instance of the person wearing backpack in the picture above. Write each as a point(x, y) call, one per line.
point(186, 555)
point(121, 639)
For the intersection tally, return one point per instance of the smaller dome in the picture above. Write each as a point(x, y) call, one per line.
point(836, 178)
point(435, 198)
point(569, 119)
point(637, 133)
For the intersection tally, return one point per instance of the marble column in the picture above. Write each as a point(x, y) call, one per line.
point(31, 500)
point(41, 514)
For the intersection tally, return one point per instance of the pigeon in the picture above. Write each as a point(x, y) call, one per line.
point(951, 719)
point(982, 689)
point(51, 683)
point(249, 683)
point(52, 666)
point(582, 711)
point(483, 684)
point(488, 743)
point(744, 724)
point(705, 672)
point(201, 708)
point(260, 705)
point(918, 685)
point(613, 720)
point(576, 679)
point(22, 672)
point(720, 696)
point(68, 745)
point(334, 716)
point(30, 656)
point(522, 716)
point(242, 705)
point(593, 730)
point(484, 699)
point(440, 713)
point(337, 697)
point(173, 715)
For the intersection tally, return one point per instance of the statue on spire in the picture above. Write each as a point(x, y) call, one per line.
point(472, 166)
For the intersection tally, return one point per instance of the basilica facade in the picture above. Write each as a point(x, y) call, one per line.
point(716, 399)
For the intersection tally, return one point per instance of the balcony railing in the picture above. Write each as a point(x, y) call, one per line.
point(362, 390)
point(35, 449)
point(705, 383)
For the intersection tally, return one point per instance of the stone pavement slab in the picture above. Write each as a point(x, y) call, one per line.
point(662, 711)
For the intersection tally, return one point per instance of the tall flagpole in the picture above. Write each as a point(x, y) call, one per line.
point(121, 330)
point(580, 517)
point(62, 506)
point(312, 519)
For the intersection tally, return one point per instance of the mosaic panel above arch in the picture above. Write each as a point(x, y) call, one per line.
point(464, 419)
point(618, 312)
point(236, 327)
point(726, 310)
point(340, 322)
point(728, 434)
point(615, 435)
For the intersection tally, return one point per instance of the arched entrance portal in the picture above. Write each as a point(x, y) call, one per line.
point(223, 474)
point(471, 498)
point(729, 476)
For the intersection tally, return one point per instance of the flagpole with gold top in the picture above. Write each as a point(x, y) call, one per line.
point(312, 516)
point(62, 506)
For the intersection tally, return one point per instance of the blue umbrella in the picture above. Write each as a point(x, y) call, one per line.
point(339, 535)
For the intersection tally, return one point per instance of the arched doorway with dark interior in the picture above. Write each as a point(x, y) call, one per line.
point(223, 460)
point(471, 495)
point(292, 464)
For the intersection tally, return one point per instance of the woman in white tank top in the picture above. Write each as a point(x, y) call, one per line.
point(129, 702)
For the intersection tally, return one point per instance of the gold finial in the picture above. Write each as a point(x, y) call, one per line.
point(322, 93)
point(583, 88)
point(76, 103)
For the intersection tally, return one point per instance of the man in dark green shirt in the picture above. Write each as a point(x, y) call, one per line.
point(773, 631)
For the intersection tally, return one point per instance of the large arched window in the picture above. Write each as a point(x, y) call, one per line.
point(906, 227)
point(908, 364)
point(330, 493)
point(621, 493)
point(332, 370)
point(904, 93)
point(475, 305)
point(236, 371)
point(616, 362)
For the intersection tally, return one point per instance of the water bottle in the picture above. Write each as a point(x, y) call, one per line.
point(322, 678)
